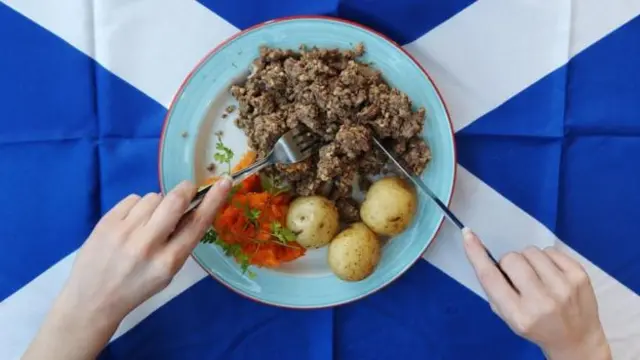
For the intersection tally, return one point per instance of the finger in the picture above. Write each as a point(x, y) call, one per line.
point(501, 295)
point(564, 262)
point(140, 213)
point(190, 231)
point(570, 267)
point(522, 275)
point(166, 216)
point(121, 209)
point(550, 275)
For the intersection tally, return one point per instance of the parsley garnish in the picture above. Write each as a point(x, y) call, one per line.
point(283, 234)
point(253, 215)
point(210, 237)
point(232, 250)
point(223, 155)
point(243, 260)
point(272, 185)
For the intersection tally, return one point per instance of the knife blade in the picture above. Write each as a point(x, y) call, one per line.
point(426, 190)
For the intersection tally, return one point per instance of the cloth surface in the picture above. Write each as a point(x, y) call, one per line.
point(77, 134)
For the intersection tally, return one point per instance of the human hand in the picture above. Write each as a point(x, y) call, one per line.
point(133, 252)
point(551, 302)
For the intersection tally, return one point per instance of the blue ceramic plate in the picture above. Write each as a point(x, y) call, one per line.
point(187, 147)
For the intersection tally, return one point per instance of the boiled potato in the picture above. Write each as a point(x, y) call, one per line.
point(389, 206)
point(354, 253)
point(314, 219)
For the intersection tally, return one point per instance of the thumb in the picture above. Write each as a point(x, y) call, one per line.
point(189, 232)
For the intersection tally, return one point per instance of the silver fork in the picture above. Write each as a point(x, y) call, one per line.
point(294, 146)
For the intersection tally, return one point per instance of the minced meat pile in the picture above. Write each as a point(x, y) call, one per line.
point(344, 102)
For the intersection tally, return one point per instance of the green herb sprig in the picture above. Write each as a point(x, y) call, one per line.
point(253, 215)
point(283, 234)
point(231, 250)
point(272, 185)
point(223, 154)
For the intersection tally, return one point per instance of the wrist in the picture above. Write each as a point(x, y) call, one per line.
point(74, 314)
point(595, 347)
point(72, 330)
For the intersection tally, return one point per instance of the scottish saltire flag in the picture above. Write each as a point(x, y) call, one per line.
point(544, 96)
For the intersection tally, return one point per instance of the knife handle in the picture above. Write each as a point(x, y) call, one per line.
point(497, 264)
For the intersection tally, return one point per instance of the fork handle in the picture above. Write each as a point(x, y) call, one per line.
point(236, 177)
point(252, 169)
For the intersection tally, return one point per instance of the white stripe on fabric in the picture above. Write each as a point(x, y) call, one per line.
point(494, 49)
point(193, 30)
point(516, 42)
point(507, 228)
point(22, 313)
point(153, 45)
point(72, 20)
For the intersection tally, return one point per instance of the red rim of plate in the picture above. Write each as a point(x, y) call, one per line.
point(311, 17)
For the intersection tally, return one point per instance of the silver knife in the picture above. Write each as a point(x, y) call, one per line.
point(422, 186)
point(425, 189)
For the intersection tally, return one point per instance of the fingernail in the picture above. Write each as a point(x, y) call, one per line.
point(224, 183)
point(185, 184)
point(468, 236)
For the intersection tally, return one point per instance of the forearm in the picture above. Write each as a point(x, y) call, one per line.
point(71, 332)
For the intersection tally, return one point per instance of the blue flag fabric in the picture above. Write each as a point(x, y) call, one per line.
point(76, 138)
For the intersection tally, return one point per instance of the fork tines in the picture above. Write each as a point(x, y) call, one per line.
point(305, 139)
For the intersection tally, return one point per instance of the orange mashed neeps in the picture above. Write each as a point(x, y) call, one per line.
point(255, 220)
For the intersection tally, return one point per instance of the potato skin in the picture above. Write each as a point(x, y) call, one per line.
point(314, 219)
point(354, 253)
point(389, 206)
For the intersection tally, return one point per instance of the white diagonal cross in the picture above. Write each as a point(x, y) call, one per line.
point(153, 45)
